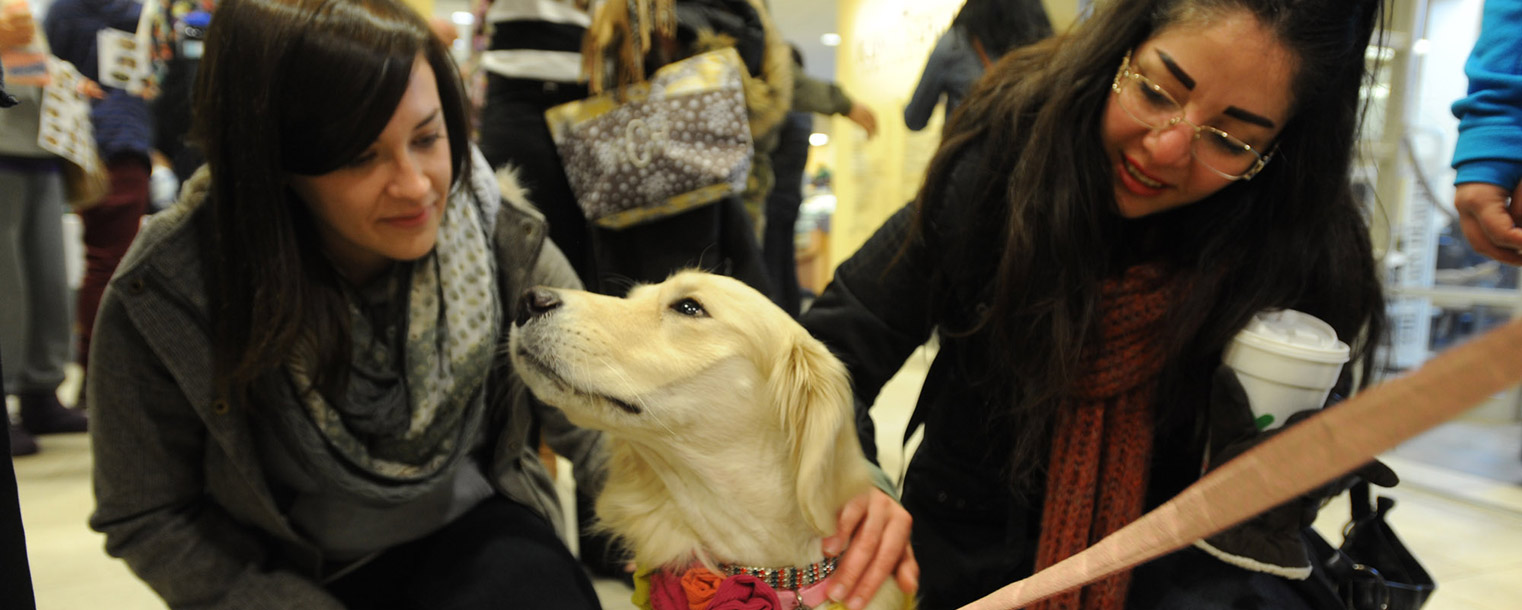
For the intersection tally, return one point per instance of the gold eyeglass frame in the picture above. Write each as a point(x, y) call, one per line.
point(1125, 71)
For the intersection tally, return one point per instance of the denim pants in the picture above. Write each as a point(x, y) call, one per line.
point(34, 291)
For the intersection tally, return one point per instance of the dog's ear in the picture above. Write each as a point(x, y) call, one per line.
point(814, 392)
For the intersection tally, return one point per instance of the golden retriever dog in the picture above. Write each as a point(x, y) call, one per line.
point(732, 438)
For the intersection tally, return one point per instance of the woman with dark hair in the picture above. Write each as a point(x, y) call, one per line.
point(298, 391)
point(1109, 208)
point(982, 32)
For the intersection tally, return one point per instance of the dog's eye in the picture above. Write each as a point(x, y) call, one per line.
point(689, 307)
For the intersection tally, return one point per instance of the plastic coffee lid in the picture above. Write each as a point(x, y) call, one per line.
point(1296, 334)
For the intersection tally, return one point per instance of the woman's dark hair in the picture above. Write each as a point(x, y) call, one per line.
point(296, 87)
point(1001, 25)
point(1292, 237)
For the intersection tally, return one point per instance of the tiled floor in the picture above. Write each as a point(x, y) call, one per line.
point(1466, 530)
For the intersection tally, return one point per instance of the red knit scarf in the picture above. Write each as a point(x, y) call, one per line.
point(1103, 433)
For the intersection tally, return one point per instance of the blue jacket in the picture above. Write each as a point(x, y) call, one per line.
point(122, 122)
point(953, 67)
point(1489, 148)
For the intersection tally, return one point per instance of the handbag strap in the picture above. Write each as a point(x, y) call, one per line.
point(1359, 501)
point(977, 45)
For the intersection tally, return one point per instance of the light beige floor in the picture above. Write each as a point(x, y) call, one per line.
point(1466, 530)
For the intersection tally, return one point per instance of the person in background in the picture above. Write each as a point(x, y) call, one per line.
point(34, 291)
point(179, 31)
point(299, 397)
point(982, 32)
point(531, 55)
point(123, 137)
point(810, 96)
point(1488, 155)
point(1107, 210)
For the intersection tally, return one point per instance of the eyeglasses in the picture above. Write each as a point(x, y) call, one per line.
point(1151, 106)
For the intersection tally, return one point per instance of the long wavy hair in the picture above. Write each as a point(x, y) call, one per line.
point(296, 87)
point(1292, 237)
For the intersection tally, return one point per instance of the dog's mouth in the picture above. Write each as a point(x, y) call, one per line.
point(545, 371)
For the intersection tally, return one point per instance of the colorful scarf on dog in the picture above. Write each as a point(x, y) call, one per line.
point(1104, 434)
point(698, 588)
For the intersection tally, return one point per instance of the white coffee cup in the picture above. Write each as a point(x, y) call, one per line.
point(1287, 362)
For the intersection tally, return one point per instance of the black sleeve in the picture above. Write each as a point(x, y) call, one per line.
point(876, 312)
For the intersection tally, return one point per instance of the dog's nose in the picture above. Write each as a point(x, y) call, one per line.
point(536, 302)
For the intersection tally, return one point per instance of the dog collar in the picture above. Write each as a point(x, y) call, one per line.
point(789, 579)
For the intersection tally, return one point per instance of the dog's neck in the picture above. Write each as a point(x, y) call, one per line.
point(677, 505)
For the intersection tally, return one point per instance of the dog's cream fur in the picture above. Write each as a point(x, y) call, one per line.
point(731, 428)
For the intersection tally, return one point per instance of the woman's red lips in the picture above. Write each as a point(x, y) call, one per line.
point(1132, 176)
point(408, 220)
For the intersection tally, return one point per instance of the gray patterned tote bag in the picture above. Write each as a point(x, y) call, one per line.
point(677, 141)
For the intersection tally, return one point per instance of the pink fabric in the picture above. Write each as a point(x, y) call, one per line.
point(666, 592)
point(812, 596)
point(745, 592)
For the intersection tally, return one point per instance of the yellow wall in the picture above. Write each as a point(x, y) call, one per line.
point(884, 47)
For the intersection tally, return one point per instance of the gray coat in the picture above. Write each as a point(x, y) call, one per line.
point(180, 491)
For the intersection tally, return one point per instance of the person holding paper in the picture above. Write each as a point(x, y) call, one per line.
point(123, 137)
point(34, 291)
point(1112, 206)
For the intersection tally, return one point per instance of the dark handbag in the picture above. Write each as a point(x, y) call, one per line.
point(1371, 570)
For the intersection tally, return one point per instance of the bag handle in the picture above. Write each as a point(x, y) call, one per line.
point(1358, 496)
point(977, 45)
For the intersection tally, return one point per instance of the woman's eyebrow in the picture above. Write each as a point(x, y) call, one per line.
point(1188, 82)
point(431, 116)
point(1178, 73)
point(1249, 117)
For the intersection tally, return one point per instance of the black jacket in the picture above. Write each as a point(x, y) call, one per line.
point(973, 531)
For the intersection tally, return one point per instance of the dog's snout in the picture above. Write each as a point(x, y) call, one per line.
point(536, 302)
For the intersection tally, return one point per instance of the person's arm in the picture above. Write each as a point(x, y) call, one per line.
point(1488, 155)
point(150, 450)
point(872, 316)
point(819, 97)
point(878, 309)
point(927, 94)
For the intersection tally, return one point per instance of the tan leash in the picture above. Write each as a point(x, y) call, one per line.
point(1291, 463)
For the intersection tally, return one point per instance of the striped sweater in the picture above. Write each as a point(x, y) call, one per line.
point(532, 39)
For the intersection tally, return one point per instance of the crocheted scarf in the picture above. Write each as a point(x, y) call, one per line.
point(1103, 433)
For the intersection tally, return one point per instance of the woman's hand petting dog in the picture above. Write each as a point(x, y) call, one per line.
point(876, 527)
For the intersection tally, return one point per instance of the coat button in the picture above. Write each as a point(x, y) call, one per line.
point(528, 228)
point(137, 286)
point(219, 407)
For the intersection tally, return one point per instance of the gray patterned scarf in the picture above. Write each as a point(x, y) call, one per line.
point(416, 390)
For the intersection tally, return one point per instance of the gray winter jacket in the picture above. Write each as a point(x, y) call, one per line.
point(180, 490)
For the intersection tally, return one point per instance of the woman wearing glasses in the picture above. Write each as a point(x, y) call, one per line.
point(1108, 210)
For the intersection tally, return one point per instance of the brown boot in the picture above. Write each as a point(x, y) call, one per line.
point(41, 413)
point(21, 442)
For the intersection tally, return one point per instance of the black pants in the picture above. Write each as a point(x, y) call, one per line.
point(513, 131)
point(498, 555)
